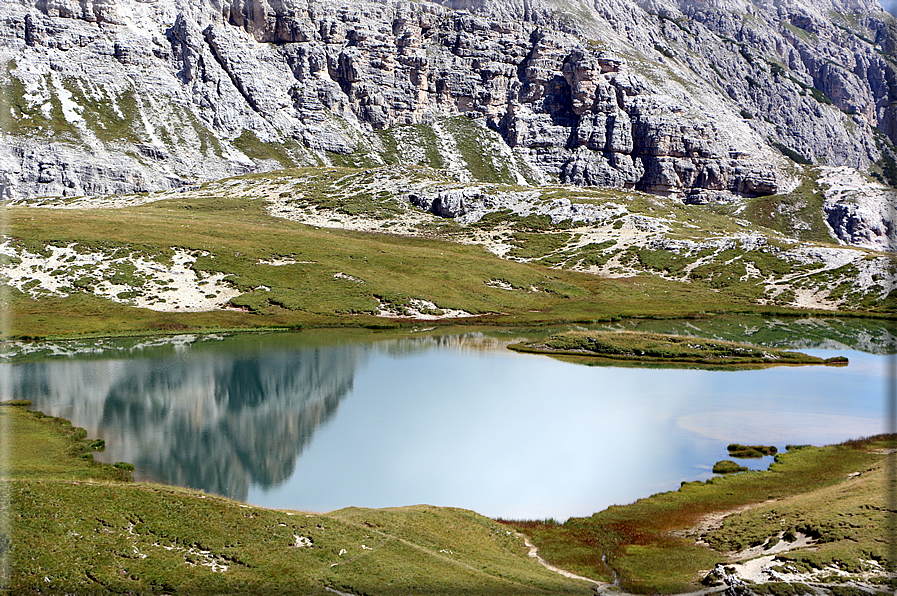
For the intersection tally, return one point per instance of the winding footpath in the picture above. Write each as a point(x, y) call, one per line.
point(601, 588)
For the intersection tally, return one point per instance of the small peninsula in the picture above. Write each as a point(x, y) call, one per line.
point(661, 348)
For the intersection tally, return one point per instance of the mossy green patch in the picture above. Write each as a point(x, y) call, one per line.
point(798, 214)
point(663, 260)
point(111, 117)
point(411, 144)
point(24, 118)
point(596, 254)
point(533, 222)
point(750, 451)
point(249, 143)
point(727, 466)
point(531, 245)
point(471, 139)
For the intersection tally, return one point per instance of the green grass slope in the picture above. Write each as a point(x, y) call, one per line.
point(835, 494)
point(634, 346)
point(74, 527)
point(233, 235)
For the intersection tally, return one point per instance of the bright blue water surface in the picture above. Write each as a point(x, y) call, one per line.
point(319, 422)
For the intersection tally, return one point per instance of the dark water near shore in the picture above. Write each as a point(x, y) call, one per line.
point(322, 421)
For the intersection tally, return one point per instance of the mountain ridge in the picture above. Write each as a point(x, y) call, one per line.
point(630, 110)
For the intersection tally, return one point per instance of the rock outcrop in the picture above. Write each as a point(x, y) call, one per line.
point(133, 96)
point(860, 212)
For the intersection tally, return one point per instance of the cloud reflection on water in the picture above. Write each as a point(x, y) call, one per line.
point(780, 428)
point(523, 436)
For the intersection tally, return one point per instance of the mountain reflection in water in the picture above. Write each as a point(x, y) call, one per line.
point(199, 420)
point(442, 419)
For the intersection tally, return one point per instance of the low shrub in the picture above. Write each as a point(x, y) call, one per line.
point(750, 451)
point(665, 51)
point(791, 153)
point(727, 466)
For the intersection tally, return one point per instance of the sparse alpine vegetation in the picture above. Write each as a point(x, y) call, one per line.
point(206, 250)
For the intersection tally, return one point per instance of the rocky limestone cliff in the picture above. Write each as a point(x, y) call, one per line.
point(696, 100)
point(128, 96)
point(859, 212)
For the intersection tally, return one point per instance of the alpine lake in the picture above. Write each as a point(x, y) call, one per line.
point(321, 420)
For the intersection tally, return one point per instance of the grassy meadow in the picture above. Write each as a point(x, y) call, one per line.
point(632, 346)
point(232, 235)
point(77, 526)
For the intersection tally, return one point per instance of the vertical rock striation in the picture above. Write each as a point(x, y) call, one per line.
point(675, 99)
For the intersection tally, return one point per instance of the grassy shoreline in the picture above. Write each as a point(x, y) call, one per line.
point(110, 534)
point(403, 325)
point(78, 526)
point(835, 495)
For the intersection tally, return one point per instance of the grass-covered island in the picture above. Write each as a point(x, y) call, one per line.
point(657, 348)
point(817, 518)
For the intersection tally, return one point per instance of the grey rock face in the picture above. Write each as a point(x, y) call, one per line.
point(808, 74)
point(787, 64)
point(867, 223)
point(130, 96)
point(860, 212)
point(449, 203)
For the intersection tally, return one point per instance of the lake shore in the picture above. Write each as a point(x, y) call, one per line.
point(778, 531)
point(111, 535)
point(721, 531)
